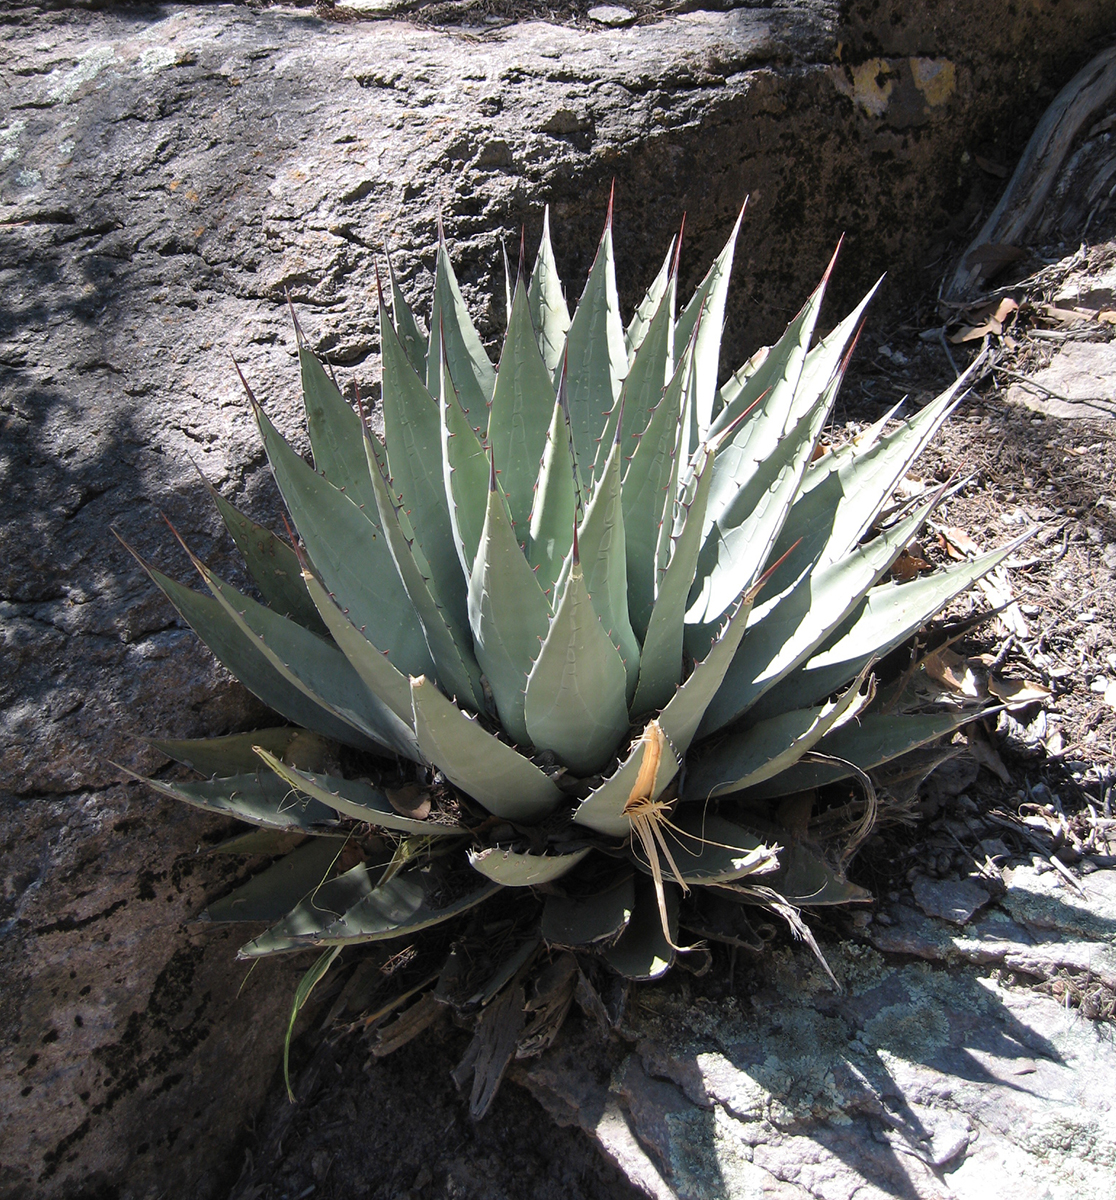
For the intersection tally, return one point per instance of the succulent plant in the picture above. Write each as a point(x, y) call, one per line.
point(584, 630)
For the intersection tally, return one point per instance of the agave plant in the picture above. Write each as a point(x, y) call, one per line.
point(572, 627)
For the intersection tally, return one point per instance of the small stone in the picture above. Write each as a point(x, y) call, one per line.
point(953, 900)
point(1041, 794)
point(611, 14)
point(995, 848)
point(366, 6)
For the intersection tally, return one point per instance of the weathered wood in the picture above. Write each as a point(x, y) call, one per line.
point(1021, 205)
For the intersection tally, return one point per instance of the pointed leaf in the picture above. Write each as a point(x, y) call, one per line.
point(708, 303)
point(740, 541)
point(767, 748)
point(334, 431)
point(555, 510)
point(404, 905)
point(403, 318)
point(642, 951)
point(686, 709)
point(789, 631)
point(642, 390)
point(242, 654)
point(321, 908)
point(272, 564)
point(521, 410)
point(648, 495)
point(843, 492)
point(508, 614)
point(234, 754)
point(869, 741)
point(508, 300)
point(884, 619)
point(774, 383)
point(465, 475)
point(576, 692)
point(358, 800)
point(350, 553)
point(413, 433)
point(260, 798)
point(376, 672)
point(549, 314)
point(509, 868)
point(272, 893)
point(595, 358)
point(599, 917)
point(306, 985)
point(311, 664)
point(452, 327)
point(649, 306)
point(824, 360)
point(605, 566)
point(504, 782)
point(660, 668)
point(454, 664)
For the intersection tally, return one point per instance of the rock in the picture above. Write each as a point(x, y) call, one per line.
point(917, 1081)
point(954, 900)
point(364, 7)
point(947, 781)
point(1039, 928)
point(611, 14)
point(166, 175)
point(1080, 381)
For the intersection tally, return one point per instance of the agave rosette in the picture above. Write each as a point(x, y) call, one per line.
point(573, 616)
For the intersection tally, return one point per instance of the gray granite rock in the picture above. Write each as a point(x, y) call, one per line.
point(611, 14)
point(954, 900)
point(167, 173)
point(1077, 383)
point(917, 1081)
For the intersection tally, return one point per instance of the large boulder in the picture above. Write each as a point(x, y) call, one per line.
point(167, 174)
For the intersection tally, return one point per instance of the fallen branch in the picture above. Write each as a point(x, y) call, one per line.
point(1019, 208)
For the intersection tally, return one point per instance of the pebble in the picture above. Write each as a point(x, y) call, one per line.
point(611, 14)
point(952, 900)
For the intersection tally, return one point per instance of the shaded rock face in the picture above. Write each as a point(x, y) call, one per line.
point(166, 174)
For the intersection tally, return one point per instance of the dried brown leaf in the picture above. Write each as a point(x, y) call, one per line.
point(1016, 693)
point(957, 543)
point(987, 319)
point(955, 673)
point(986, 754)
point(908, 565)
point(410, 801)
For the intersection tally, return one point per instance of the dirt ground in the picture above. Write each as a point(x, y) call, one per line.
point(1023, 469)
point(395, 1129)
